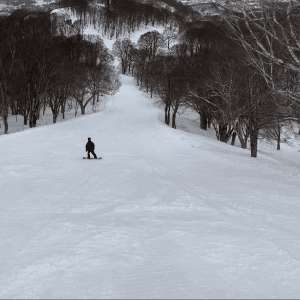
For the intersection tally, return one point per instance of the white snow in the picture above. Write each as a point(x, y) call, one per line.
point(165, 214)
point(59, 11)
point(134, 36)
point(43, 2)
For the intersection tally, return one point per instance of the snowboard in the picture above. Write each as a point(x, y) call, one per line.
point(92, 158)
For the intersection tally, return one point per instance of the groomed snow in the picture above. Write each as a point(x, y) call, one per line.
point(165, 214)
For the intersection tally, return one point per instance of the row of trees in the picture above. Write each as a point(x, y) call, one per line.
point(240, 77)
point(206, 71)
point(115, 18)
point(268, 32)
point(40, 69)
point(45, 60)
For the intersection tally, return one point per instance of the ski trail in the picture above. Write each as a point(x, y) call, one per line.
point(155, 218)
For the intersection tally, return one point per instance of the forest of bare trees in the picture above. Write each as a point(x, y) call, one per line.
point(39, 68)
point(242, 94)
point(240, 74)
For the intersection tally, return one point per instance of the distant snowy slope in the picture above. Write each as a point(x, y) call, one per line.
point(165, 214)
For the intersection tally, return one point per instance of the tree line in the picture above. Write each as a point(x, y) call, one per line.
point(115, 18)
point(40, 68)
point(208, 72)
point(45, 61)
point(239, 74)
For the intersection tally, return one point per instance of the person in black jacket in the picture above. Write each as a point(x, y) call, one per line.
point(90, 147)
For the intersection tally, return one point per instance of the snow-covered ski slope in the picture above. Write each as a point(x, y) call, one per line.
point(165, 214)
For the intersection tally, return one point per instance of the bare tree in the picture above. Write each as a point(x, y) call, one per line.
point(122, 49)
point(273, 132)
point(139, 64)
point(151, 42)
point(98, 62)
point(224, 91)
point(81, 91)
point(167, 86)
point(35, 60)
point(270, 35)
point(7, 65)
point(54, 100)
point(169, 36)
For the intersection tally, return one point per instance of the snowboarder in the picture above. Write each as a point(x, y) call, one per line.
point(90, 146)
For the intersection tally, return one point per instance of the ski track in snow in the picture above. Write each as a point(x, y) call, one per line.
point(156, 218)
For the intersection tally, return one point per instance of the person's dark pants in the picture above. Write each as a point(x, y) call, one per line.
point(95, 156)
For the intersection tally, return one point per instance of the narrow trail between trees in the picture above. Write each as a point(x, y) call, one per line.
point(165, 214)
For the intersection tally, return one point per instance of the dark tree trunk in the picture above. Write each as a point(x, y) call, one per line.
point(44, 109)
point(94, 98)
point(253, 139)
point(203, 119)
point(32, 120)
point(34, 113)
point(54, 113)
point(5, 115)
point(167, 114)
point(14, 110)
point(3, 99)
point(243, 142)
point(63, 107)
point(278, 136)
point(253, 142)
point(233, 138)
point(174, 117)
point(25, 119)
point(38, 113)
point(222, 132)
point(243, 137)
point(174, 120)
point(82, 109)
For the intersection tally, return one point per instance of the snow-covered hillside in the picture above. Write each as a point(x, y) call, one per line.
point(16, 122)
point(165, 214)
point(11, 5)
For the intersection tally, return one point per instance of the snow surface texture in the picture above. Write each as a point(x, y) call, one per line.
point(165, 214)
